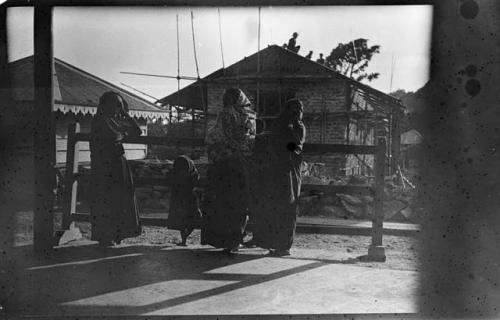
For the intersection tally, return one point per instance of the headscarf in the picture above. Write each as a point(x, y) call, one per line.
point(184, 168)
point(292, 112)
point(184, 164)
point(110, 103)
point(234, 130)
point(290, 128)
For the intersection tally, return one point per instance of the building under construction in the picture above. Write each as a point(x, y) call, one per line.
point(337, 109)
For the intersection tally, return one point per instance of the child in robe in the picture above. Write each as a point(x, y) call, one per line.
point(184, 214)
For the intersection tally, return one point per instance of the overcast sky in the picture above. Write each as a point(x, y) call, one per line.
point(105, 41)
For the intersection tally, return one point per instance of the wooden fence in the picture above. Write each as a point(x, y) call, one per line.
point(376, 250)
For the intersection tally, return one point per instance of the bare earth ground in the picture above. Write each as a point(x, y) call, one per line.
point(401, 251)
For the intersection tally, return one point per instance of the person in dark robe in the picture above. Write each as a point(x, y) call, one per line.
point(321, 60)
point(184, 213)
point(113, 214)
point(280, 182)
point(292, 43)
point(229, 145)
point(309, 55)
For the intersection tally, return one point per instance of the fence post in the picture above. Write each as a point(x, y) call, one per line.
point(71, 180)
point(44, 134)
point(376, 251)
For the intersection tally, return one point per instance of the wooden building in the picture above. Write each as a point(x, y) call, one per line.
point(76, 96)
point(338, 110)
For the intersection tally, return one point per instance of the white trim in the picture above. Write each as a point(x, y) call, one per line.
point(88, 110)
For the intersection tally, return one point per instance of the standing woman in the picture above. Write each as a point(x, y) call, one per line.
point(281, 181)
point(229, 143)
point(113, 210)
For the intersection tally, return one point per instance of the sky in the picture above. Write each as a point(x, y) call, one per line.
point(106, 41)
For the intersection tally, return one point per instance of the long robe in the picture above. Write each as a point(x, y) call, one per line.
point(114, 213)
point(226, 205)
point(184, 212)
point(277, 186)
point(229, 142)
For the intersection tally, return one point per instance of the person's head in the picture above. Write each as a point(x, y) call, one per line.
point(234, 97)
point(295, 35)
point(111, 104)
point(321, 55)
point(293, 110)
point(182, 165)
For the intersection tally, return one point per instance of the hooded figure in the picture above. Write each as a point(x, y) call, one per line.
point(184, 214)
point(279, 190)
point(113, 207)
point(229, 143)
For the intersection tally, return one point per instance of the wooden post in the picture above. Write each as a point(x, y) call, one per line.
point(71, 184)
point(8, 262)
point(193, 123)
point(396, 140)
point(44, 133)
point(376, 251)
point(204, 95)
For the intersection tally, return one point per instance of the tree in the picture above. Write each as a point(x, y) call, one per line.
point(353, 63)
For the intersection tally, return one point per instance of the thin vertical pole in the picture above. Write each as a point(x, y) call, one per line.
point(220, 38)
point(44, 136)
point(178, 72)
point(396, 138)
point(193, 123)
point(194, 46)
point(178, 67)
point(258, 65)
point(376, 251)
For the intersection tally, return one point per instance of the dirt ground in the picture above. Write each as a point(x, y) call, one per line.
point(401, 251)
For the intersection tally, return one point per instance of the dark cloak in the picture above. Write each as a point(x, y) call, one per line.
point(114, 213)
point(183, 212)
point(277, 182)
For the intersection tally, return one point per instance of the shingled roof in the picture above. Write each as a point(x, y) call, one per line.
point(75, 90)
point(276, 63)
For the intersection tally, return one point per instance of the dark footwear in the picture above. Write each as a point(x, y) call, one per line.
point(181, 244)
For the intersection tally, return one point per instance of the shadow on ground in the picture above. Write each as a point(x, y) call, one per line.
point(90, 280)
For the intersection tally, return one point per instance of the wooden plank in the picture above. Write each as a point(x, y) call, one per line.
point(335, 189)
point(150, 140)
point(141, 181)
point(70, 193)
point(44, 133)
point(339, 148)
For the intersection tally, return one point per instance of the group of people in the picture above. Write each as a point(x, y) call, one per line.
point(292, 46)
point(250, 177)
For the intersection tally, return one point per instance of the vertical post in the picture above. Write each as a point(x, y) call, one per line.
point(193, 123)
point(7, 262)
point(204, 95)
point(71, 184)
point(396, 139)
point(44, 137)
point(376, 251)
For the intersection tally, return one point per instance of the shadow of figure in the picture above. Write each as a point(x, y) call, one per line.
point(87, 280)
